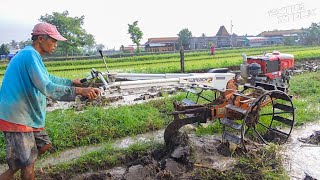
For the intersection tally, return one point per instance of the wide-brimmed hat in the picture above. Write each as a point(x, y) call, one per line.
point(48, 29)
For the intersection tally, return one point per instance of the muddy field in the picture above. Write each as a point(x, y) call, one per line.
point(193, 157)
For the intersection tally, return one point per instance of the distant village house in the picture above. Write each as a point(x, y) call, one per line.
point(161, 44)
point(223, 39)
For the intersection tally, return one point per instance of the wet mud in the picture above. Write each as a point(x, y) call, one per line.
point(176, 162)
point(302, 152)
point(190, 155)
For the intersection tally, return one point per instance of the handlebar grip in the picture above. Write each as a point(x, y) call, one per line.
point(83, 80)
point(100, 51)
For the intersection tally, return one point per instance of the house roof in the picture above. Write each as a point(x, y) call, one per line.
point(280, 32)
point(257, 39)
point(162, 40)
point(128, 48)
point(222, 31)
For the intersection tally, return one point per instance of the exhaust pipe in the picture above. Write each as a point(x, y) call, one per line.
point(244, 73)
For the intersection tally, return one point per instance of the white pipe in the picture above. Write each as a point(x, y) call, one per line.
point(128, 83)
point(149, 76)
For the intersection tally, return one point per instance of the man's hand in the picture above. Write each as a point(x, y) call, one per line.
point(90, 93)
point(76, 82)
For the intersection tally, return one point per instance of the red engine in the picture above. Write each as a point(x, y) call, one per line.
point(272, 68)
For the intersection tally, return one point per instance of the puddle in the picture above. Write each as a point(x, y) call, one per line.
point(302, 159)
point(207, 155)
point(134, 96)
point(174, 165)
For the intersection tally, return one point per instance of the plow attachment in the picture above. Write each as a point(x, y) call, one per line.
point(197, 115)
point(263, 113)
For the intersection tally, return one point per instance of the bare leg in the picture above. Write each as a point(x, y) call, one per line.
point(44, 148)
point(8, 174)
point(27, 173)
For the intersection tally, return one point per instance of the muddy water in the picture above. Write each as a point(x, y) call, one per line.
point(207, 155)
point(75, 153)
point(129, 99)
point(302, 158)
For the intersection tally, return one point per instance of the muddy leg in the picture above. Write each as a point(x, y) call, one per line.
point(44, 149)
point(27, 173)
point(8, 174)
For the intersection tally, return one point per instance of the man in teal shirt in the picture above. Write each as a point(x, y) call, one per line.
point(25, 86)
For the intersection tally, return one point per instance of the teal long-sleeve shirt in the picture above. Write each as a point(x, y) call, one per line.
point(25, 86)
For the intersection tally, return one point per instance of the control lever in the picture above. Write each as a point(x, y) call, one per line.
point(94, 74)
point(105, 64)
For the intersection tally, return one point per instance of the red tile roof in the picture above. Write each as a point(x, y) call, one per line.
point(163, 40)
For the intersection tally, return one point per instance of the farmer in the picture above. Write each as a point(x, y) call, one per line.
point(212, 49)
point(25, 86)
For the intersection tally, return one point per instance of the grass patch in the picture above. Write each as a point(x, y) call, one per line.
point(103, 159)
point(262, 164)
point(98, 125)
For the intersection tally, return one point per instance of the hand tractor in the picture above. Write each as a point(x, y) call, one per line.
point(250, 104)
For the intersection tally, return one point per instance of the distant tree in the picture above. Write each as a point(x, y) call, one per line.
point(70, 28)
point(135, 34)
point(122, 48)
point(23, 44)
point(184, 37)
point(14, 44)
point(288, 41)
point(311, 35)
point(204, 37)
point(99, 47)
point(89, 49)
point(4, 49)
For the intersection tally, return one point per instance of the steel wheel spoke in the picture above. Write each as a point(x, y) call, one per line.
point(259, 135)
point(269, 114)
point(245, 132)
point(263, 125)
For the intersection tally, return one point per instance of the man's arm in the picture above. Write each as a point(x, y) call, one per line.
point(59, 80)
point(66, 93)
point(65, 81)
point(42, 81)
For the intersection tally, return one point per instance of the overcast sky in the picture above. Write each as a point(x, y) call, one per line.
point(108, 21)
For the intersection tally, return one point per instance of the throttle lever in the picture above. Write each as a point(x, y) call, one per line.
point(93, 75)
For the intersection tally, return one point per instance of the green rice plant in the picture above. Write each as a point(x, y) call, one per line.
point(305, 85)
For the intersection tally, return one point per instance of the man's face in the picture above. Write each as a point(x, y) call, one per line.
point(47, 44)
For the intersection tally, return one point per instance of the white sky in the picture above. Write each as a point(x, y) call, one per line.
point(108, 20)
